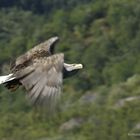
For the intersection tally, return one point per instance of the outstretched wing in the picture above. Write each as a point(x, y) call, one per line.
point(44, 49)
point(43, 80)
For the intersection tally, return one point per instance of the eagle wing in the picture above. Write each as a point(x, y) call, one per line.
point(44, 49)
point(43, 79)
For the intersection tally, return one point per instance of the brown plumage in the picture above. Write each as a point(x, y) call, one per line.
point(41, 73)
point(44, 49)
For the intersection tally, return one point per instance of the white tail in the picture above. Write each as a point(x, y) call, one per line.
point(6, 78)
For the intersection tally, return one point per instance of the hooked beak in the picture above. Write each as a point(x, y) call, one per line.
point(71, 67)
point(78, 66)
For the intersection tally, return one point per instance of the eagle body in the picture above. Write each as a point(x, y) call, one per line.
point(40, 72)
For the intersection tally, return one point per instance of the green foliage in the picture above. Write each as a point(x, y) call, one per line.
point(105, 37)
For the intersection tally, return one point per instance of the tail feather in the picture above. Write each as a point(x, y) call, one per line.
point(6, 78)
point(12, 85)
point(10, 82)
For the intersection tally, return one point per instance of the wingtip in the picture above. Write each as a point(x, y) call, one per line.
point(54, 39)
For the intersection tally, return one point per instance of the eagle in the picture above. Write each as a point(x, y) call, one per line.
point(41, 72)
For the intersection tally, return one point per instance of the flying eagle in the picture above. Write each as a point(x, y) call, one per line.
point(40, 72)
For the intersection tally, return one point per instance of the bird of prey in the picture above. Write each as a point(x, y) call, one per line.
point(40, 72)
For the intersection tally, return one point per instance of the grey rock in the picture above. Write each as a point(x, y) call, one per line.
point(71, 124)
point(88, 97)
point(122, 102)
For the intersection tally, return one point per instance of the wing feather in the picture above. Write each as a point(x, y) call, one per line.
point(43, 49)
point(44, 80)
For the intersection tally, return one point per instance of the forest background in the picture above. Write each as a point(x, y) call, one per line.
point(102, 101)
